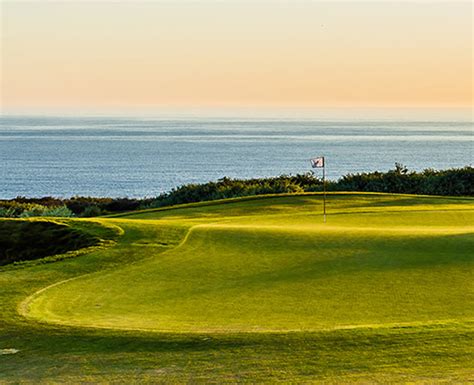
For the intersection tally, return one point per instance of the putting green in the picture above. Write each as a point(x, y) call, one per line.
point(271, 265)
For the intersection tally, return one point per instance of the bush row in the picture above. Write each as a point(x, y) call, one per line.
point(452, 182)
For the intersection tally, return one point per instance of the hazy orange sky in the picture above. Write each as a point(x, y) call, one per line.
point(168, 54)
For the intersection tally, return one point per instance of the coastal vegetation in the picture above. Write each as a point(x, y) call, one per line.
point(451, 182)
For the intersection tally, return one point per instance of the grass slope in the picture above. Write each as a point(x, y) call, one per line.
point(25, 240)
point(255, 290)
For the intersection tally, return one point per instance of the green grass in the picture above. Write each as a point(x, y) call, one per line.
point(253, 290)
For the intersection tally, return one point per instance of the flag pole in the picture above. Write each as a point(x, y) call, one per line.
point(324, 188)
point(320, 162)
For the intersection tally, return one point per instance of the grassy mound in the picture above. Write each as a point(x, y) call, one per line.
point(255, 290)
point(24, 240)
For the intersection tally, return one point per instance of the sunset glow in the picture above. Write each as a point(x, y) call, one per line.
point(226, 54)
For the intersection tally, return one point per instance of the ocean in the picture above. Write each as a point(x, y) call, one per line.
point(128, 157)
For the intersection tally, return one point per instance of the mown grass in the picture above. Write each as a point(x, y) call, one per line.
point(257, 290)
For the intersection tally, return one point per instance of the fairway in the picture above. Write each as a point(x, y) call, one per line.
point(381, 292)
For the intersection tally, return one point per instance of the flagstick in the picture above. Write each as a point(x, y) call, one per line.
point(320, 162)
point(324, 189)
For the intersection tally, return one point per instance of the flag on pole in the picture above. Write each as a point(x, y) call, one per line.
point(317, 162)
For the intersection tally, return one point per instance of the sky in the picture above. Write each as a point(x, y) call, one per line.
point(131, 55)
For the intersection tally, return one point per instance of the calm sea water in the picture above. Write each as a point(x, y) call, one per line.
point(143, 157)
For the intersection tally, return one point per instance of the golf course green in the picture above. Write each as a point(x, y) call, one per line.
point(255, 289)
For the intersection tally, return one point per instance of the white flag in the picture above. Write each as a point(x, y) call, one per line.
point(317, 162)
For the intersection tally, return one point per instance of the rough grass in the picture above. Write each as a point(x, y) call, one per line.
point(256, 290)
point(24, 240)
